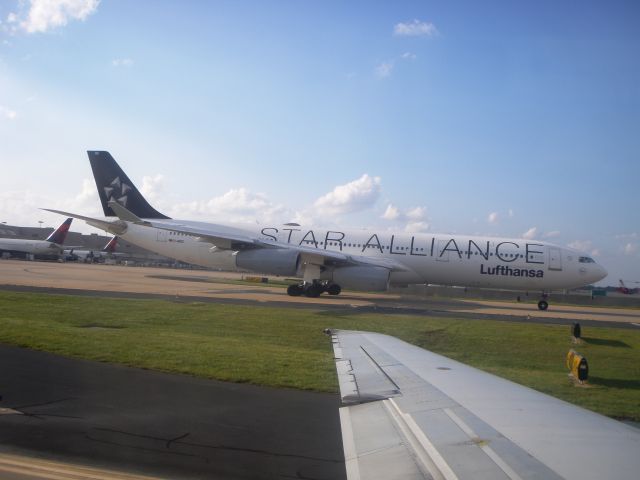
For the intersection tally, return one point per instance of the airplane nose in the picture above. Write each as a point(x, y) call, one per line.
point(599, 272)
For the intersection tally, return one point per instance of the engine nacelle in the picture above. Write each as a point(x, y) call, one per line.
point(271, 261)
point(372, 279)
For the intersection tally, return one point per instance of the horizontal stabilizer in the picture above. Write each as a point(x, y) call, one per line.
point(124, 214)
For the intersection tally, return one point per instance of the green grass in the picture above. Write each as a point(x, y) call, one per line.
point(286, 348)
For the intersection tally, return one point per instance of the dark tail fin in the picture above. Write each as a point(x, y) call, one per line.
point(113, 184)
point(60, 233)
point(111, 246)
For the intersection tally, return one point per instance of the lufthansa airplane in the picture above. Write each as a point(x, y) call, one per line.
point(51, 246)
point(329, 260)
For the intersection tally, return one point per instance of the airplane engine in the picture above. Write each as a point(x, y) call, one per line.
point(270, 261)
point(374, 279)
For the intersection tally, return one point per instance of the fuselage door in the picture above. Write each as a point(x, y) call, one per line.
point(555, 258)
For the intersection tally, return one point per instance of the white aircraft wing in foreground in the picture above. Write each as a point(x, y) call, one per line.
point(411, 414)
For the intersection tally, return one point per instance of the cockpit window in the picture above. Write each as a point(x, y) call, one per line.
point(586, 260)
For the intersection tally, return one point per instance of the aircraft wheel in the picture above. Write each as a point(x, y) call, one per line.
point(294, 290)
point(334, 289)
point(543, 305)
point(313, 291)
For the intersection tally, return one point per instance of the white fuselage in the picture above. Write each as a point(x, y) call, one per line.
point(33, 247)
point(428, 258)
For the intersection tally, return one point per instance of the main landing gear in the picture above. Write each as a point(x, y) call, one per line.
point(313, 289)
point(543, 304)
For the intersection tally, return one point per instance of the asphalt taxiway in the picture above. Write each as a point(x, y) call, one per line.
point(167, 426)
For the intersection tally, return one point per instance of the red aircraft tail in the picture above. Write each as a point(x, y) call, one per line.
point(110, 247)
point(60, 233)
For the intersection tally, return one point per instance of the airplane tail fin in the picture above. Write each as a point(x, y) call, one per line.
point(60, 233)
point(114, 185)
point(110, 247)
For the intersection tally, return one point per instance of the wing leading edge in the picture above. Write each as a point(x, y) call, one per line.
point(226, 238)
point(410, 413)
point(230, 238)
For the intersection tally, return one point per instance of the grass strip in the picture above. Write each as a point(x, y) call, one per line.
point(285, 347)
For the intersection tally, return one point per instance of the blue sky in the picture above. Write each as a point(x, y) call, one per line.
point(499, 118)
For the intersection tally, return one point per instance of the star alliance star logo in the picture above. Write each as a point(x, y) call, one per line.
point(117, 191)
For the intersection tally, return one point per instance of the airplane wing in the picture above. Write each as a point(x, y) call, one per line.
point(116, 227)
point(229, 238)
point(409, 413)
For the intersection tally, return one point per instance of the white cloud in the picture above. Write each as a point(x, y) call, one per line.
point(122, 62)
point(351, 197)
point(85, 201)
point(384, 69)
point(511, 214)
point(7, 113)
point(630, 248)
point(493, 217)
point(238, 205)
point(628, 236)
point(22, 207)
point(391, 213)
point(44, 15)
point(415, 29)
point(530, 234)
point(304, 217)
point(417, 213)
point(408, 56)
point(239, 200)
point(553, 234)
point(415, 227)
point(12, 18)
point(153, 187)
point(415, 218)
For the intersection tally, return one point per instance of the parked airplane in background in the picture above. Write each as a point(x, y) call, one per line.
point(626, 290)
point(52, 246)
point(329, 260)
point(89, 256)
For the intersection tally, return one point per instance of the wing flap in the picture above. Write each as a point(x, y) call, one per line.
point(457, 422)
point(369, 431)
